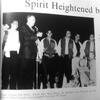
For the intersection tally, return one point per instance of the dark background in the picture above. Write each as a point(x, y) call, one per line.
point(57, 23)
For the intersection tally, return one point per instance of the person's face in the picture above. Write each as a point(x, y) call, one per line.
point(31, 20)
point(68, 34)
point(14, 25)
point(77, 37)
point(49, 34)
point(91, 37)
point(5, 27)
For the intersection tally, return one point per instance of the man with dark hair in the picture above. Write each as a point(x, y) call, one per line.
point(10, 60)
point(28, 52)
point(76, 59)
point(67, 50)
point(48, 50)
point(88, 52)
point(89, 47)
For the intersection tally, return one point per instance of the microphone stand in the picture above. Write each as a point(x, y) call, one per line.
point(36, 74)
point(37, 63)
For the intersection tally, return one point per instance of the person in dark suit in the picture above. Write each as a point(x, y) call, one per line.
point(28, 52)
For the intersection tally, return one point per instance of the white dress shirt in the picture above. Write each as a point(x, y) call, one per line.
point(12, 43)
point(66, 46)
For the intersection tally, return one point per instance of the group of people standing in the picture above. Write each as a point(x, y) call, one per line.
point(29, 62)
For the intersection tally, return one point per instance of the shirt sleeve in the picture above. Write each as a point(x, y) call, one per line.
point(82, 49)
point(59, 48)
point(18, 45)
point(41, 49)
point(74, 49)
point(56, 48)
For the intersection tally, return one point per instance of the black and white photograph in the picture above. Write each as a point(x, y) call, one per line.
point(47, 51)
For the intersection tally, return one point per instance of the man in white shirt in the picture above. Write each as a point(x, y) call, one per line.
point(76, 59)
point(10, 61)
point(48, 53)
point(66, 50)
point(88, 52)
